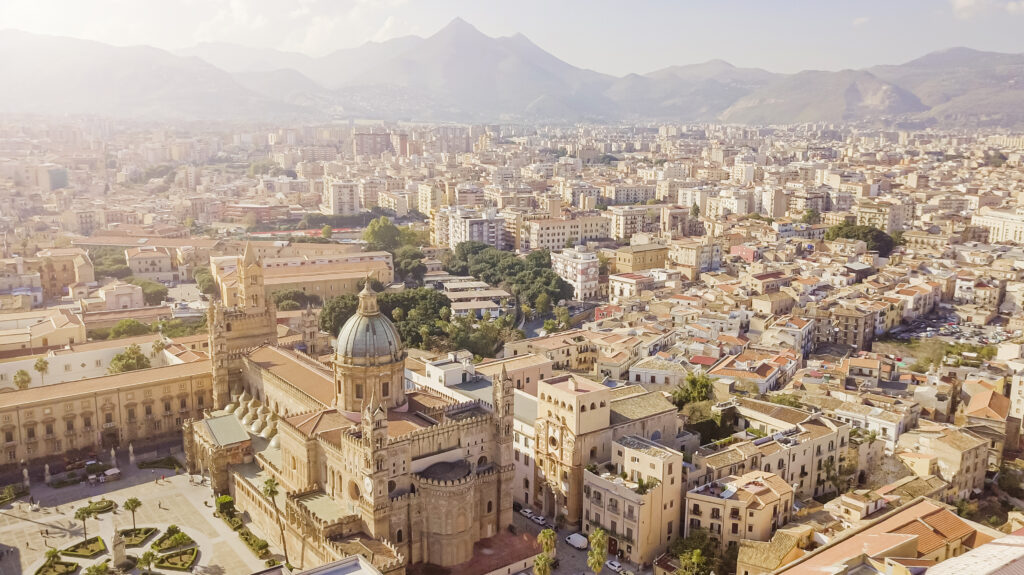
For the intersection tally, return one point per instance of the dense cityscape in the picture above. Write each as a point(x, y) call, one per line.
point(356, 345)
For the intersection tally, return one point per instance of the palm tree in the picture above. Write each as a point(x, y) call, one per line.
point(131, 505)
point(83, 514)
point(542, 564)
point(22, 379)
point(147, 559)
point(270, 491)
point(43, 367)
point(598, 550)
point(52, 555)
point(98, 569)
point(547, 539)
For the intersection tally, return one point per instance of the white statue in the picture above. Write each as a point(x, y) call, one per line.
point(131, 453)
point(24, 473)
point(46, 473)
point(113, 458)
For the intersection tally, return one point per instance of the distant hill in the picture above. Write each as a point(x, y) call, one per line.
point(63, 75)
point(814, 96)
point(461, 74)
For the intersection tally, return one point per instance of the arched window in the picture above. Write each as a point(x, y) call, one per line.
point(482, 461)
point(593, 453)
point(583, 408)
point(398, 536)
point(656, 435)
point(593, 406)
point(490, 506)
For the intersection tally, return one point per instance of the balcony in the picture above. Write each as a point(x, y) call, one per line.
point(111, 424)
point(695, 511)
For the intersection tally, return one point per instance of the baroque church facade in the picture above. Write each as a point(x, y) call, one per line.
point(364, 465)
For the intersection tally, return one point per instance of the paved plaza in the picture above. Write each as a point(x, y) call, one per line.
point(26, 533)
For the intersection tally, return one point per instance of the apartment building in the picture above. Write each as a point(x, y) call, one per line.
point(578, 419)
point(631, 259)
point(959, 457)
point(152, 263)
point(624, 193)
point(628, 220)
point(580, 268)
point(1002, 225)
point(340, 197)
point(452, 225)
point(557, 233)
point(636, 498)
point(746, 507)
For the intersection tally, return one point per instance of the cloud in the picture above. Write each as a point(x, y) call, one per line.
point(1015, 7)
point(967, 9)
point(858, 22)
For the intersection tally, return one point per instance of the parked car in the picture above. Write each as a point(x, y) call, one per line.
point(526, 512)
point(615, 566)
point(539, 519)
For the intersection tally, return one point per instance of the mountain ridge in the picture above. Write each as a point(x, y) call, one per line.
point(461, 74)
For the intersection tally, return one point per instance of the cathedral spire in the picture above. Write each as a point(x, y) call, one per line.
point(249, 255)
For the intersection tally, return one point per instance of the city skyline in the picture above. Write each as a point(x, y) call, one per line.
point(652, 35)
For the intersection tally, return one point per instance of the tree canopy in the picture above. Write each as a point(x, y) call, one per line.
point(298, 299)
point(128, 328)
point(382, 235)
point(526, 278)
point(876, 239)
point(696, 387)
point(153, 293)
point(130, 359)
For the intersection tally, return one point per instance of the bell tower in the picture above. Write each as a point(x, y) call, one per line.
point(374, 502)
point(251, 291)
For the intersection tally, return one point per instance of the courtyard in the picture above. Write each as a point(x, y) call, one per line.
point(27, 531)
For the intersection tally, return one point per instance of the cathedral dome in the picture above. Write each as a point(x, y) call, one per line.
point(368, 337)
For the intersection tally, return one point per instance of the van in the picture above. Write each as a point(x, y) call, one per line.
point(578, 541)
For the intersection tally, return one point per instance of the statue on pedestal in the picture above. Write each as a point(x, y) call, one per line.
point(113, 457)
point(46, 473)
point(131, 453)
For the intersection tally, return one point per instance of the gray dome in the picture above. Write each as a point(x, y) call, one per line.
point(368, 337)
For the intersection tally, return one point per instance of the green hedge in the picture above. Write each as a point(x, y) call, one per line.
point(101, 506)
point(57, 568)
point(172, 539)
point(88, 549)
point(179, 560)
point(169, 462)
point(258, 546)
point(136, 537)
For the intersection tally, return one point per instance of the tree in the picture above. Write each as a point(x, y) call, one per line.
point(543, 304)
point(876, 239)
point(98, 569)
point(43, 367)
point(147, 559)
point(811, 217)
point(382, 235)
point(130, 359)
point(550, 326)
point(22, 379)
point(152, 292)
point(128, 328)
point(542, 564)
point(547, 539)
point(694, 210)
point(598, 550)
point(83, 514)
point(270, 491)
point(205, 281)
point(562, 315)
point(132, 505)
point(52, 555)
point(327, 232)
point(694, 563)
point(696, 387)
point(398, 314)
point(409, 264)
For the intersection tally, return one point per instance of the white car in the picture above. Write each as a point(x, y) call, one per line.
point(615, 566)
point(538, 519)
point(526, 512)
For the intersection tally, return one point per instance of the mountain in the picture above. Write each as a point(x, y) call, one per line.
point(484, 77)
point(461, 74)
point(814, 96)
point(70, 76)
point(961, 84)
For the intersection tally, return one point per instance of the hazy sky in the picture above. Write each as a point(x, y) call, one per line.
point(615, 37)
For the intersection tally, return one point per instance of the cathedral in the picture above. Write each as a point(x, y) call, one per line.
point(365, 465)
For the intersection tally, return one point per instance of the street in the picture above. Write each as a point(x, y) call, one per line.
point(572, 561)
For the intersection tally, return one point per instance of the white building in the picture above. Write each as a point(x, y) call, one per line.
point(340, 197)
point(580, 268)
